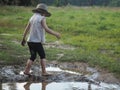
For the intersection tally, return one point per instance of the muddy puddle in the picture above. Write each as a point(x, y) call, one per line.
point(62, 78)
point(58, 86)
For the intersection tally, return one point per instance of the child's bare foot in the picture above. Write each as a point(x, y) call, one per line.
point(46, 74)
point(27, 73)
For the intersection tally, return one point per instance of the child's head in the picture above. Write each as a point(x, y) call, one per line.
point(42, 9)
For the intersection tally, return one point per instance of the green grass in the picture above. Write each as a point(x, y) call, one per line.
point(93, 31)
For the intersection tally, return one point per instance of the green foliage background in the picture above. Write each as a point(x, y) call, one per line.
point(115, 3)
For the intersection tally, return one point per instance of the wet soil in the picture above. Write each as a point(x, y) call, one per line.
point(60, 72)
point(94, 73)
point(65, 76)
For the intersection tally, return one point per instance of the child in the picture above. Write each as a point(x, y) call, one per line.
point(36, 28)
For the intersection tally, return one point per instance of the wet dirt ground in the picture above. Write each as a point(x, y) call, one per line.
point(73, 76)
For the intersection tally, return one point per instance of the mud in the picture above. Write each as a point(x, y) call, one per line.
point(59, 44)
point(90, 72)
point(15, 74)
point(63, 74)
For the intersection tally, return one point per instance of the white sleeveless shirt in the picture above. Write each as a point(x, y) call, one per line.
point(37, 33)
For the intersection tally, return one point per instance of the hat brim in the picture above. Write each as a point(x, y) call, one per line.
point(47, 14)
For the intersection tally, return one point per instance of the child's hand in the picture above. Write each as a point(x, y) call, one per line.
point(23, 42)
point(58, 35)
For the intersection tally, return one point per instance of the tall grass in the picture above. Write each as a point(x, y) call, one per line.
point(93, 31)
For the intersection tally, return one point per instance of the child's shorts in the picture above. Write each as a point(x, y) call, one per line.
point(36, 48)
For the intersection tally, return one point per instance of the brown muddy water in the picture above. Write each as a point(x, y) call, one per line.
point(63, 77)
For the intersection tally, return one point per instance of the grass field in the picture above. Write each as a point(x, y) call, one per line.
point(93, 31)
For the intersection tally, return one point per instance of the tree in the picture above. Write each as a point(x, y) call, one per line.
point(115, 3)
point(62, 2)
point(66, 2)
point(91, 2)
point(25, 2)
point(57, 3)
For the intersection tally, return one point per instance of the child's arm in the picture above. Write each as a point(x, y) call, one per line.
point(25, 33)
point(50, 31)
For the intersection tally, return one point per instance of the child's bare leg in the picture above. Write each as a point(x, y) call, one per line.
point(28, 66)
point(43, 66)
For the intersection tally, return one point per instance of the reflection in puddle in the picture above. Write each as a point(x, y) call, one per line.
point(57, 69)
point(31, 84)
point(58, 86)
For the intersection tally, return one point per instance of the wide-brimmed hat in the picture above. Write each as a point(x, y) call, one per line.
point(42, 8)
